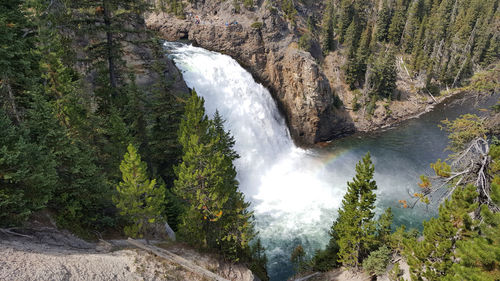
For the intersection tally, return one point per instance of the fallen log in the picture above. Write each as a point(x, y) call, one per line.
point(162, 253)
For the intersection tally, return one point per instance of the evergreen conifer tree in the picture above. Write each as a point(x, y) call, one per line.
point(27, 173)
point(327, 29)
point(397, 23)
point(479, 253)
point(383, 21)
point(433, 257)
point(354, 226)
point(216, 213)
point(139, 199)
point(382, 79)
point(384, 224)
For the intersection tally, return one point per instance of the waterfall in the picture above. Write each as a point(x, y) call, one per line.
point(292, 202)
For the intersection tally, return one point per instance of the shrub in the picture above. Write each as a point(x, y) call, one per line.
point(377, 261)
point(305, 42)
point(257, 25)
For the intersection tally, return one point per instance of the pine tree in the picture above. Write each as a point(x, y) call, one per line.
point(354, 226)
point(479, 253)
point(198, 176)
point(383, 21)
point(259, 260)
point(352, 35)
point(351, 69)
point(81, 188)
point(298, 258)
point(166, 111)
point(384, 224)
point(382, 79)
point(433, 257)
point(289, 10)
point(18, 64)
point(398, 23)
point(346, 14)
point(327, 29)
point(363, 55)
point(27, 173)
point(376, 263)
point(139, 199)
point(415, 15)
point(216, 213)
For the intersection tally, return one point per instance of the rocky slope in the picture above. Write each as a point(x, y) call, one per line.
point(303, 83)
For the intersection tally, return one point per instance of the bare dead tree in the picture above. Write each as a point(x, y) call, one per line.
point(469, 166)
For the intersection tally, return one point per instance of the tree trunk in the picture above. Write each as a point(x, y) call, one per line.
point(109, 47)
point(12, 100)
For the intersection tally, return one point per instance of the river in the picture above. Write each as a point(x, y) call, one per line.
point(295, 193)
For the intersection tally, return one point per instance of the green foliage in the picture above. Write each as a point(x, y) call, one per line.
point(382, 78)
point(27, 173)
point(479, 254)
point(139, 199)
point(357, 61)
point(446, 41)
point(441, 168)
point(305, 42)
point(257, 25)
point(397, 23)
point(383, 21)
point(288, 8)
point(463, 130)
point(248, 4)
point(326, 259)
point(217, 215)
point(396, 272)
point(384, 224)
point(298, 259)
point(258, 260)
point(327, 29)
point(354, 226)
point(376, 263)
point(486, 81)
point(433, 256)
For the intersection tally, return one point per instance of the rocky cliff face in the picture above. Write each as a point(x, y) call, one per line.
point(264, 43)
point(304, 84)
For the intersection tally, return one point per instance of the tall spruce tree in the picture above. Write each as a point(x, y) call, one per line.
point(355, 226)
point(382, 78)
point(397, 23)
point(384, 224)
point(383, 21)
point(139, 199)
point(27, 173)
point(18, 62)
point(327, 29)
point(216, 214)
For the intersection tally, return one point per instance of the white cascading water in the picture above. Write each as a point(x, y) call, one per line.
point(289, 195)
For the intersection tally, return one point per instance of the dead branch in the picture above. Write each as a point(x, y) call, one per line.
point(11, 232)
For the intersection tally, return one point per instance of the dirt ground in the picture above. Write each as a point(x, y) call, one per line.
point(49, 254)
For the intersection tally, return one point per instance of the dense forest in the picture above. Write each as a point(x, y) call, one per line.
point(84, 141)
point(440, 44)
